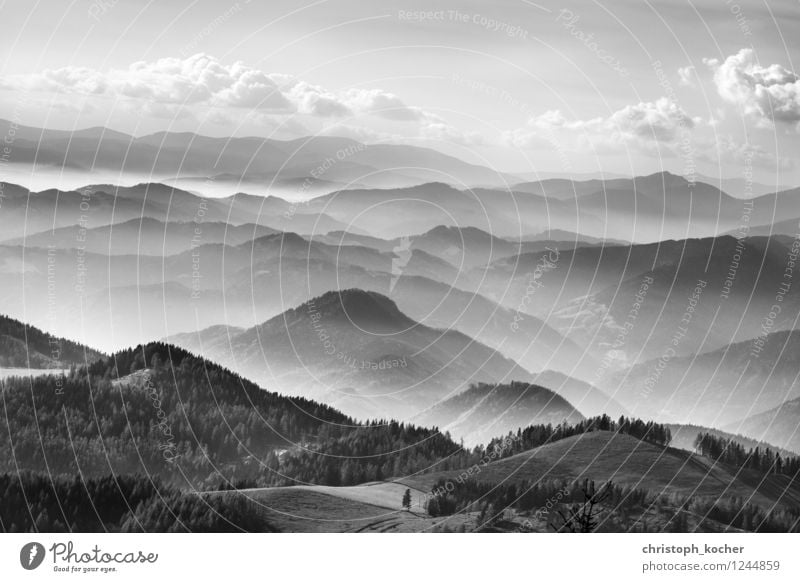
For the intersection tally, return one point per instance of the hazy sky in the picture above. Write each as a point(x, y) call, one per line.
point(631, 86)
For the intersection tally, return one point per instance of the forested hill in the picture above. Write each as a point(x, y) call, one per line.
point(24, 346)
point(160, 410)
point(40, 503)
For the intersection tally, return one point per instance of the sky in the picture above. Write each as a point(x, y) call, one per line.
point(629, 87)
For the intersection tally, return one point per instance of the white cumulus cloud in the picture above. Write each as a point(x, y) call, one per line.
point(642, 124)
point(771, 93)
point(196, 79)
point(382, 104)
point(202, 79)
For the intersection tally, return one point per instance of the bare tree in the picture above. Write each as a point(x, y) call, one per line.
point(583, 517)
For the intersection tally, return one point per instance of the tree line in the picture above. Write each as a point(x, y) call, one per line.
point(540, 434)
point(763, 460)
point(35, 502)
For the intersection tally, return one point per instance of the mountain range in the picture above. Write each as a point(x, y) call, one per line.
point(325, 323)
point(254, 162)
point(357, 351)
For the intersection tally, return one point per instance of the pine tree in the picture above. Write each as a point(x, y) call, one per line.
point(407, 500)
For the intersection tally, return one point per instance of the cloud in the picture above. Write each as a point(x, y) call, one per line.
point(383, 104)
point(770, 94)
point(687, 76)
point(70, 79)
point(202, 79)
point(644, 124)
point(660, 121)
point(317, 101)
point(196, 79)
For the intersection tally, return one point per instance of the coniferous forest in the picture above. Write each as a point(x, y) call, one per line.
point(194, 426)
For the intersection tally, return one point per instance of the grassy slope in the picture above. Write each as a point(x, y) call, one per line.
point(627, 461)
point(374, 507)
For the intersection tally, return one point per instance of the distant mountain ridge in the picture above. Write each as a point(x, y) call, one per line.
point(245, 159)
point(357, 351)
point(779, 426)
point(605, 212)
point(715, 388)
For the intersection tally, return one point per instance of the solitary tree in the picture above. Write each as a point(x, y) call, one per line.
point(583, 517)
point(407, 499)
